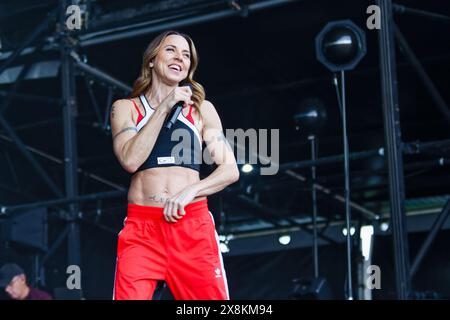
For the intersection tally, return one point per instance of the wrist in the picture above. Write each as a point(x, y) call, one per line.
point(162, 109)
point(197, 188)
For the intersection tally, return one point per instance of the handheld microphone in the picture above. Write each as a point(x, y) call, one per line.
point(176, 109)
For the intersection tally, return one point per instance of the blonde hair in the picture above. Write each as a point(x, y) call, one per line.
point(144, 82)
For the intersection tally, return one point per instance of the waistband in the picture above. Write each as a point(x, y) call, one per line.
point(193, 209)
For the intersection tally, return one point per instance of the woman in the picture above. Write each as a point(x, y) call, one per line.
point(169, 232)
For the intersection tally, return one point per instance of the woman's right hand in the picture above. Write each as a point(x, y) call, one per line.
point(178, 94)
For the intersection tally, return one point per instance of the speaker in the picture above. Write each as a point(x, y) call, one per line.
point(26, 228)
point(311, 289)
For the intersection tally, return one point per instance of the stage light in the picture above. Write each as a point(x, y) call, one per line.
point(223, 243)
point(352, 231)
point(340, 45)
point(284, 239)
point(384, 226)
point(310, 116)
point(247, 168)
point(224, 248)
point(366, 234)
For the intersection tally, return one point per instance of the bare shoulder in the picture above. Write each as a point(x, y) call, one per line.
point(121, 107)
point(210, 116)
point(209, 112)
point(207, 107)
point(120, 103)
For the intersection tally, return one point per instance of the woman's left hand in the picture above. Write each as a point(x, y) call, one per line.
point(174, 206)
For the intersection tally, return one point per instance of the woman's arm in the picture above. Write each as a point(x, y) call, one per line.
point(218, 147)
point(130, 146)
point(225, 174)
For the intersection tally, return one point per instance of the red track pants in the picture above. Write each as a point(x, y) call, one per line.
point(185, 254)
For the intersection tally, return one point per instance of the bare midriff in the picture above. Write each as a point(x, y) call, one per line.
point(152, 187)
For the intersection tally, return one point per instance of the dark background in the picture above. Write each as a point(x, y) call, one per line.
point(256, 70)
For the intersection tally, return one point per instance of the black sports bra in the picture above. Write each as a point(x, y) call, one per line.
point(181, 145)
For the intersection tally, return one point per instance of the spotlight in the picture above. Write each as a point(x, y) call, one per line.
point(352, 231)
point(224, 248)
point(366, 234)
point(284, 239)
point(384, 226)
point(223, 243)
point(340, 45)
point(310, 116)
point(247, 168)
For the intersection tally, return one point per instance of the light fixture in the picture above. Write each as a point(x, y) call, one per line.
point(284, 239)
point(224, 248)
point(366, 241)
point(352, 231)
point(384, 226)
point(340, 45)
point(223, 243)
point(310, 116)
point(247, 168)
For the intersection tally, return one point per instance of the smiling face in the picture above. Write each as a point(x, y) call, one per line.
point(169, 58)
point(173, 60)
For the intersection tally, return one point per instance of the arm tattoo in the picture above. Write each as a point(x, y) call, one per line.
point(112, 111)
point(157, 198)
point(125, 129)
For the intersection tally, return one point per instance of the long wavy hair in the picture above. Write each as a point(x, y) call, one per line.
point(144, 82)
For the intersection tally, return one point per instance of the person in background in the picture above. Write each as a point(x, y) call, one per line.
point(14, 281)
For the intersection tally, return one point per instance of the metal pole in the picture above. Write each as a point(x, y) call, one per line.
point(331, 159)
point(70, 141)
point(347, 189)
point(312, 139)
point(56, 202)
point(425, 147)
point(391, 117)
point(119, 33)
point(421, 13)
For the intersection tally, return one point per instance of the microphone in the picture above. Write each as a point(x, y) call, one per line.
point(176, 109)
